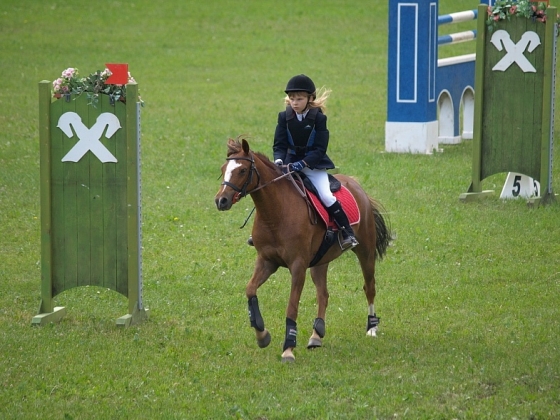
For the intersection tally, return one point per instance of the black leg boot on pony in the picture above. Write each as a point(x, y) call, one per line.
point(341, 220)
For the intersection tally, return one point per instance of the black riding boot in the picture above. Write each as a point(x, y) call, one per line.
point(341, 220)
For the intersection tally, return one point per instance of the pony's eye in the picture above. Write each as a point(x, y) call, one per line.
point(243, 171)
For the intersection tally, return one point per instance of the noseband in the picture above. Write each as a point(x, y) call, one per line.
point(242, 192)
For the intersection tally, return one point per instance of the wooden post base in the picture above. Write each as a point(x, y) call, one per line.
point(134, 318)
point(473, 196)
point(48, 317)
point(542, 201)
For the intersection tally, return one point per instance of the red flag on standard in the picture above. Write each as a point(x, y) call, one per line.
point(119, 74)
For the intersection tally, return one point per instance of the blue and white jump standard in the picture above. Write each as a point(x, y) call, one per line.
point(420, 85)
point(411, 125)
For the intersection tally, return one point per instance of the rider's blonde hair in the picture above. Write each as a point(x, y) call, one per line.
point(319, 102)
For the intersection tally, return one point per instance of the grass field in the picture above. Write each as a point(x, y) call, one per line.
point(468, 294)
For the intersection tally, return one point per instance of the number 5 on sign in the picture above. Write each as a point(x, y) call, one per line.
point(519, 185)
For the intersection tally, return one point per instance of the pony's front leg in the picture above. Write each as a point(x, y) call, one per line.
point(319, 276)
point(257, 322)
point(263, 270)
point(298, 280)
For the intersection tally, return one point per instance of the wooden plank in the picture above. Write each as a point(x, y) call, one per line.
point(83, 185)
point(121, 200)
point(71, 183)
point(95, 199)
point(110, 197)
point(67, 227)
point(531, 96)
point(515, 112)
point(491, 121)
point(535, 80)
point(57, 204)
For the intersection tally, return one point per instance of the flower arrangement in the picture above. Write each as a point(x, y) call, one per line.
point(505, 9)
point(92, 85)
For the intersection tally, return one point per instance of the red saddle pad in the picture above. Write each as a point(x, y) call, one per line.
point(348, 204)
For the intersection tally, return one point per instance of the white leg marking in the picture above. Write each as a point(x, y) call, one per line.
point(372, 332)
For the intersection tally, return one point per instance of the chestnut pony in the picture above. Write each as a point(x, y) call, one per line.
point(284, 236)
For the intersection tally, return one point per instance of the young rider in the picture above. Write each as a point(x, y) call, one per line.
point(301, 140)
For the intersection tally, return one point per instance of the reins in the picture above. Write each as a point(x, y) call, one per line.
point(274, 180)
point(301, 191)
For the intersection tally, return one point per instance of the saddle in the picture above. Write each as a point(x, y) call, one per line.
point(348, 203)
point(341, 193)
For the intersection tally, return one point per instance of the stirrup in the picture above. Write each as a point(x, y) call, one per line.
point(250, 241)
point(348, 243)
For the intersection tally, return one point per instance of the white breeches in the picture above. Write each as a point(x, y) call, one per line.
point(320, 179)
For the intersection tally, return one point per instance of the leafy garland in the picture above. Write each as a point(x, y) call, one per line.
point(505, 9)
point(92, 85)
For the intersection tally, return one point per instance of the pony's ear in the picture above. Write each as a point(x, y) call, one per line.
point(245, 146)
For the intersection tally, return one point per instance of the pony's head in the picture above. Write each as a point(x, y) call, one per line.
point(239, 174)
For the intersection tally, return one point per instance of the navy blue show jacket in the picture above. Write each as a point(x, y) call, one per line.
point(307, 140)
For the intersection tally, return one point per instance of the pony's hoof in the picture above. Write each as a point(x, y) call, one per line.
point(264, 341)
point(372, 332)
point(288, 356)
point(314, 343)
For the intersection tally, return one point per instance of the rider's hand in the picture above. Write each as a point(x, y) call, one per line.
point(297, 166)
point(278, 162)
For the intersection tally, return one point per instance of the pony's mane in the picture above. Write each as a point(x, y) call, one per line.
point(267, 162)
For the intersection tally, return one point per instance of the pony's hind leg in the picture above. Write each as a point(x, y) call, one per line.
point(263, 270)
point(367, 262)
point(319, 276)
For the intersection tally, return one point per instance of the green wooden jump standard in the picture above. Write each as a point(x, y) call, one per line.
point(514, 101)
point(90, 199)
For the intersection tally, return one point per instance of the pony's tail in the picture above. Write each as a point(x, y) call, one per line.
point(382, 229)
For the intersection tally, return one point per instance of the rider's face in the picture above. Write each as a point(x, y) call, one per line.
point(298, 101)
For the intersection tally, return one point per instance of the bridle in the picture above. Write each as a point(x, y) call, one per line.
point(242, 192)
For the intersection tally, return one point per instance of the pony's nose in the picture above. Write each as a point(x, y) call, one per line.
point(222, 203)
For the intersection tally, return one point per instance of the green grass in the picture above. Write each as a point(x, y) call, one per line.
point(467, 295)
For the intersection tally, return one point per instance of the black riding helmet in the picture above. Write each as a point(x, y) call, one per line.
point(301, 83)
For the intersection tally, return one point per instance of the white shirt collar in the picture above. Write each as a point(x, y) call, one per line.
point(300, 117)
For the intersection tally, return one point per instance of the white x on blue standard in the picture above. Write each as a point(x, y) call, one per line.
point(89, 137)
